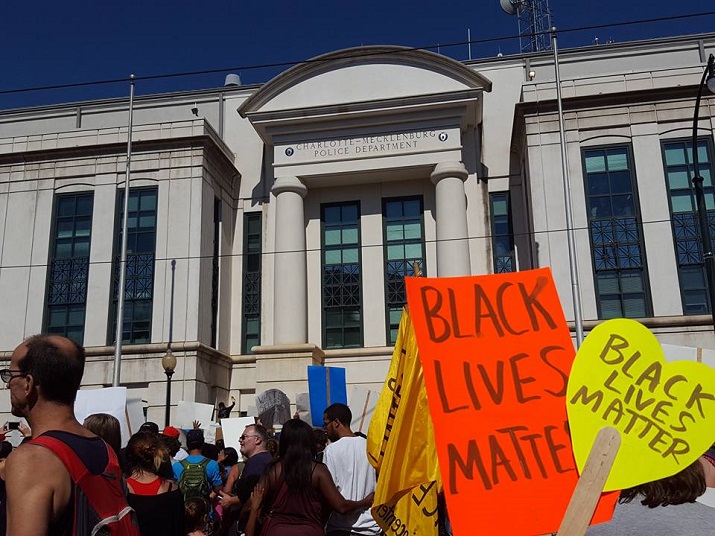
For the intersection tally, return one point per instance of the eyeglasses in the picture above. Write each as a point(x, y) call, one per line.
point(6, 375)
point(326, 423)
point(241, 438)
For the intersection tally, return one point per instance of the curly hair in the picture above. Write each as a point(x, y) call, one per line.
point(682, 487)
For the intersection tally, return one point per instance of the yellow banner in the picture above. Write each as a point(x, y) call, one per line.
point(401, 445)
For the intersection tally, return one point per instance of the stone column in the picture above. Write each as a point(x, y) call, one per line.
point(290, 285)
point(451, 216)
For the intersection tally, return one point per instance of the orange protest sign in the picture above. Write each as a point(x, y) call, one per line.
point(496, 353)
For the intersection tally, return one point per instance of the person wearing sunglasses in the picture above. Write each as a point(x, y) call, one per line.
point(253, 446)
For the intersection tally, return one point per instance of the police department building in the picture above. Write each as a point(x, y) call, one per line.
point(271, 227)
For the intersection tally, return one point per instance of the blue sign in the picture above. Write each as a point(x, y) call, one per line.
point(326, 385)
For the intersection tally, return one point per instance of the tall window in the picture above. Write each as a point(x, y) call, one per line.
point(342, 304)
point(678, 157)
point(141, 247)
point(69, 266)
point(403, 230)
point(502, 234)
point(252, 250)
point(615, 229)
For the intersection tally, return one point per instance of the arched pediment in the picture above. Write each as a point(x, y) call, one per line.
point(364, 74)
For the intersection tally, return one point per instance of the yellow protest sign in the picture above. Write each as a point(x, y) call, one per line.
point(401, 446)
point(665, 412)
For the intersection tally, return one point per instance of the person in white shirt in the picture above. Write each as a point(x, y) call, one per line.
point(346, 459)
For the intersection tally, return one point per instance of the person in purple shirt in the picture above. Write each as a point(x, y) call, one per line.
point(254, 446)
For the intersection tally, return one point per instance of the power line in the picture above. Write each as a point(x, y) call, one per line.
point(534, 235)
point(283, 64)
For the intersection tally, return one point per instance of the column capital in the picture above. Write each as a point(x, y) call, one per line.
point(448, 169)
point(289, 184)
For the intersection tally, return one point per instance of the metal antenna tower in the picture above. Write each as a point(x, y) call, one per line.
point(534, 19)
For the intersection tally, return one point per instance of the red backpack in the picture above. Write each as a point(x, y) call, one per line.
point(100, 506)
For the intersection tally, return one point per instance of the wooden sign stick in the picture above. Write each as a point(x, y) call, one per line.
point(590, 484)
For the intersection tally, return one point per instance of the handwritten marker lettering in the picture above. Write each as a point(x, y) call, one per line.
point(663, 411)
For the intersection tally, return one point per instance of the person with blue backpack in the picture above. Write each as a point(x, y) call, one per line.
point(80, 492)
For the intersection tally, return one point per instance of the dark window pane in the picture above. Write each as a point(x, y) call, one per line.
point(252, 261)
point(620, 182)
point(502, 234)
point(68, 268)
point(403, 230)
point(597, 183)
point(600, 207)
point(139, 274)
point(341, 281)
point(679, 171)
point(616, 242)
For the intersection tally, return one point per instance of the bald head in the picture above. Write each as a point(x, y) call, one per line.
point(56, 364)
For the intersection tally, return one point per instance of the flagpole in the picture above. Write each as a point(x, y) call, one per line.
point(118, 335)
point(573, 264)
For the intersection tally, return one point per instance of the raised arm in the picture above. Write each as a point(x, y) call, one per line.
point(332, 496)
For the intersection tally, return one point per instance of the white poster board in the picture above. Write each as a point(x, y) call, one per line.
point(111, 400)
point(302, 407)
point(210, 432)
point(233, 428)
point(135, 412)
point(362, 405)
point(674, 352)
point(188, 412)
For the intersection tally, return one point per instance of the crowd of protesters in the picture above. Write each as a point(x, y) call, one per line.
point(68, 478)
point(163, 482)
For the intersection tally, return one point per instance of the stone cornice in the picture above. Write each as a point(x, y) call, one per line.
point(105, 142)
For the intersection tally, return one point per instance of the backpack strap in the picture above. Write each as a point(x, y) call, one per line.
point(75, 467)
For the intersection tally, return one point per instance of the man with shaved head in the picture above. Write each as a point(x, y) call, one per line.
point(42, 495)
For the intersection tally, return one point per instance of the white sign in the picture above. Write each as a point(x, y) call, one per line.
point(674, 352)
point(135, 412)
point(302, 406)
point(362, 405)
point(232, 430)
point(188, 412)
point(110, 400)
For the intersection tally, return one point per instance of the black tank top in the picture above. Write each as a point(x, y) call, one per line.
point(93, 453)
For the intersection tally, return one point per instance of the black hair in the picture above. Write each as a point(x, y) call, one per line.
point(339, 411)
point(296, 451)
point(683, 487)
point(230, 456)
point(210, 451)
point(56, 370)
point(171, 444)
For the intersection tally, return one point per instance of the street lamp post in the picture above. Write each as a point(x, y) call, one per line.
point(169, 364)
point(708, 259)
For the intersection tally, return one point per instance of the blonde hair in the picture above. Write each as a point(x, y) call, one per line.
point(107, 427)
point(146, 452)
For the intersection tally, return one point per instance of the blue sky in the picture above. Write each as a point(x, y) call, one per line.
point(52, 43)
